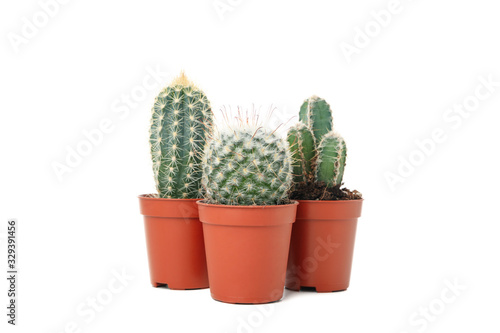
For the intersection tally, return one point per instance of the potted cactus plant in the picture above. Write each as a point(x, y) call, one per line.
point(247, 217)
point(323, 235)
point(181, 120)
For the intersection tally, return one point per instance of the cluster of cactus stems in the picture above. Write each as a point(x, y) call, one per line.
point(180, 124)
point(242, 164)
point(319, 153)
point(246, 165)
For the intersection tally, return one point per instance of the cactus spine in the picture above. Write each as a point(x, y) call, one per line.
point(302, 147)
point(327, 161)
point(181, 120)
point(331, 159)
point(246, 167)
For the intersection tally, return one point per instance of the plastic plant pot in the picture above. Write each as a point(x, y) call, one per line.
point(247, 250)
point(322, 245)
point(174, 238)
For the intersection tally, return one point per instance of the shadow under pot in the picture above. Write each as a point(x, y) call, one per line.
point(322, 245)
point(174, 239)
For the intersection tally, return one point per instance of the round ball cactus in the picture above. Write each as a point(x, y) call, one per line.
point(246, 167)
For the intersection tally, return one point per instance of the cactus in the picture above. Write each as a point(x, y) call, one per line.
point(315, 112)
point(328, 156)
point(246, 166)
point(331, 159)
point(180, 122)
point(303, 149)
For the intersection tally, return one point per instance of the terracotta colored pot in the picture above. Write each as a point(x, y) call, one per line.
point(322, 245)
point(247, 250)
point(174, 237)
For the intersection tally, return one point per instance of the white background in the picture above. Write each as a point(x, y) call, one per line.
point(438, 224)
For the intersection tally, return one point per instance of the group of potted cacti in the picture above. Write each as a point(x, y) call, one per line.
point(242, 210)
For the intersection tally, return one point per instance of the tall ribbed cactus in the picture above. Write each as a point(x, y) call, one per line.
point(332, 152)
point(315, 112)
point(302, 147)
point(180, 122)
point(327, 161)
point(246, 167)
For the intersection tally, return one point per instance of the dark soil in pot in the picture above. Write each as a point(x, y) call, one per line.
point(319, 191)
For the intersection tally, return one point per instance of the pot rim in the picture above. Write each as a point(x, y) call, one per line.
point(143, 197)
point(168, 208)
point(330, 201)
point(329, 209)
point(201, 203)
point(247, 216)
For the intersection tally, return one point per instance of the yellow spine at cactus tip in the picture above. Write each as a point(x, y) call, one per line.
point(182, 80)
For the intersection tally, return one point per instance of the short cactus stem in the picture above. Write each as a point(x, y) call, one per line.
point(332, 153)
point(316, 113)
point(180, 122)
point(246, 166)
point(303, 151)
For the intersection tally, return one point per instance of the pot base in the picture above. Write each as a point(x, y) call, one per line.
point(321, 288)
point(159, 285)
point(245, 300)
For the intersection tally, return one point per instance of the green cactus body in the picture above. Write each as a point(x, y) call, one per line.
point(304, 112)
point(246, 167)
point(332, 153)
point(315, 112)
point(180, 122)
point(302, 148)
